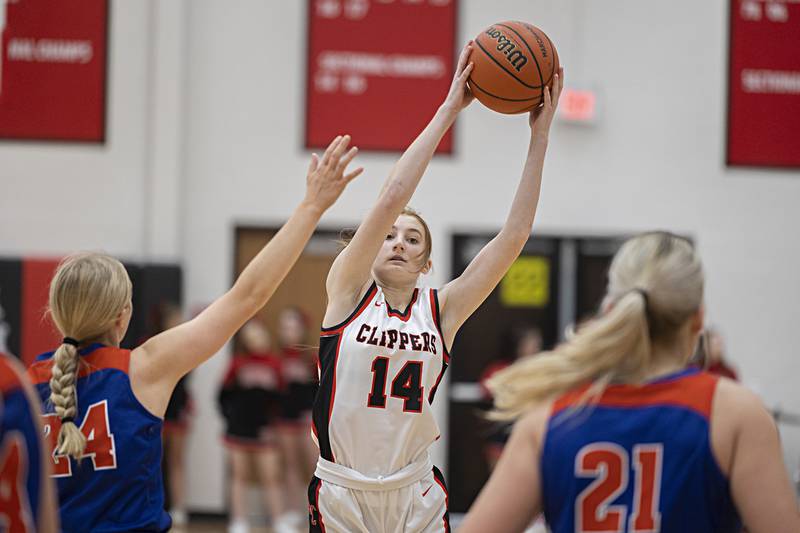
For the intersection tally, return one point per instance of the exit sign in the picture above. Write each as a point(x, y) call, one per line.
point(578, 106)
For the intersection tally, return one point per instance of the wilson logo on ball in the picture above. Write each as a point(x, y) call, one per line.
point(508, 48)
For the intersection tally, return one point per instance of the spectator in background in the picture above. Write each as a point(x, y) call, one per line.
point(521, 341)
point(250, 400)
point(299, 370)
point(715, 356)
point(176, 425)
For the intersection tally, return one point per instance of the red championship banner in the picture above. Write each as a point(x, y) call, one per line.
point(39, 333)
point(764, 83)
point(53, 69)
point(378, 70)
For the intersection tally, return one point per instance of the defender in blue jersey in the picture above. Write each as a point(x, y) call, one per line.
point(615, 434)
point(123, 442)
point(27, 501)
point(105, 405)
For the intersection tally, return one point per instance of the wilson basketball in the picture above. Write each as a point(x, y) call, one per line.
point(514, 61)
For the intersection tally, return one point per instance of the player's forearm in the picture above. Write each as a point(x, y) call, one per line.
point(523, 209)
point(266, 271)
point(408, 171)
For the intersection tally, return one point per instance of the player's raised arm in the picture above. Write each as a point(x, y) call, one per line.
point(463, 295)
point(350, 272)
point(163, 359)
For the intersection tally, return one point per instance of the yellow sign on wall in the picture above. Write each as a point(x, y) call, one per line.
point(527, 283)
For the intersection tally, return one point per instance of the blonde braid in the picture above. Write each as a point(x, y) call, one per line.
point(63, 396)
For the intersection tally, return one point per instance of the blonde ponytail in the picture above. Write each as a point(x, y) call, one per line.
point(63, 397)
point(88, 293)
point(655, 284)
point(613, 346)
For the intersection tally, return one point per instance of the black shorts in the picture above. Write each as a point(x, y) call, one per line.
point(179, 406)
point(249, 413)
point(299, 399)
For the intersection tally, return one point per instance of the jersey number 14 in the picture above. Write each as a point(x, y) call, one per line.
point(406, 385)
point(99, 440)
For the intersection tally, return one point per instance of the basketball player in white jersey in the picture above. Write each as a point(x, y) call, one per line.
point(384, 343)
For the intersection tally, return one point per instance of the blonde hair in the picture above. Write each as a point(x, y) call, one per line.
point(87, 294)
point(655, 285)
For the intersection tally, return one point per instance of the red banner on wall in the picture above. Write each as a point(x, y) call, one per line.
point(53, 69)
point(764, 83)
point(39, 334)
point(377, 69)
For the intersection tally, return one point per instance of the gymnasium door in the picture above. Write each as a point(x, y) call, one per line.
point(304, 286)
point(556, 282)
point(527, 296)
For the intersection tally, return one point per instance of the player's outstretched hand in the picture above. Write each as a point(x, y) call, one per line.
point(542, 117)
point(459, 96)
point(327, 177)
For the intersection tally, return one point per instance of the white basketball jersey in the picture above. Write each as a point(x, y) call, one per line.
point(379, 371)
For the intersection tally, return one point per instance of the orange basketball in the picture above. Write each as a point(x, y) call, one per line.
point(514, 61)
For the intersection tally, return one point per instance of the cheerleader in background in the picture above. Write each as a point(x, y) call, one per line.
point(299, 370)
point(176, 426)
point(250, 400)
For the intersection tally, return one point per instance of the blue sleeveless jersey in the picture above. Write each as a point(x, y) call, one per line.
point(21, 470)
point(639, 460)
point(117, 485)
